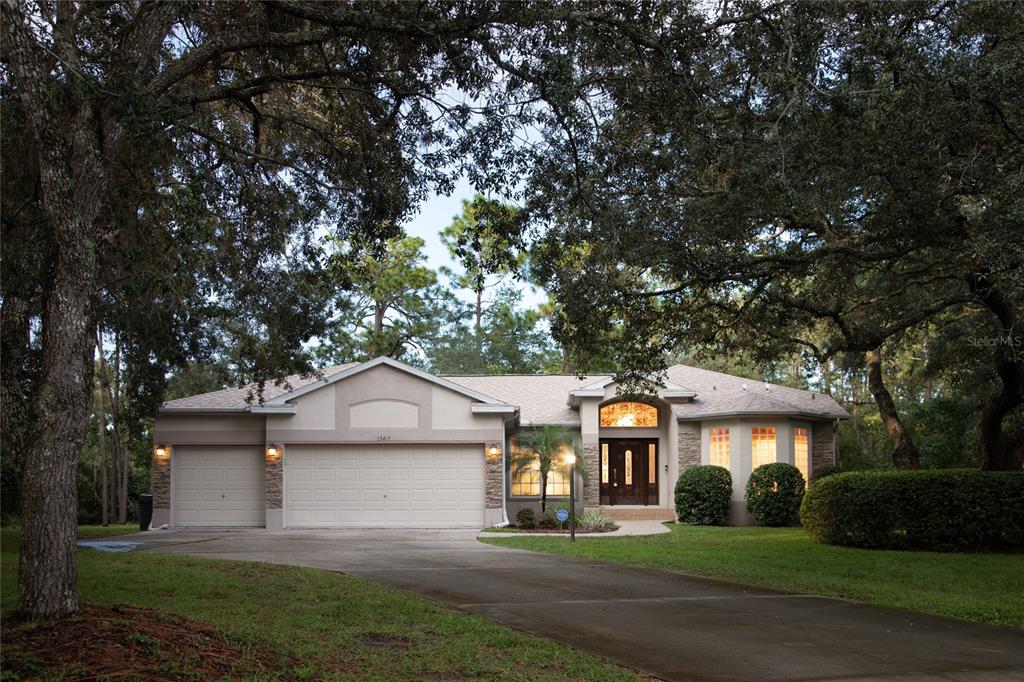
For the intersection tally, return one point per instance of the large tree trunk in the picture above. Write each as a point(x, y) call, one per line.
point(70, 200)
point(77, 142)
point(904, 454)
point(1003, 451)
point(47, 573)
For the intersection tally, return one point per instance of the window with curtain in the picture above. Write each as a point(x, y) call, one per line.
point(762, 441)
point(719, 451)
point(801, 452)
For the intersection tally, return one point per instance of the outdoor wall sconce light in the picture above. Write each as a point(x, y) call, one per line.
point(161, 452)
point(493, 452)
point(273, 453)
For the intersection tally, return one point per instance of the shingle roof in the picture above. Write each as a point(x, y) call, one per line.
point(238, 398)
point(719, 393)
point(543, 398)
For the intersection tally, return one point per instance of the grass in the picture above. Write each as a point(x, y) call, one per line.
point(328, 625)
point(978, 587)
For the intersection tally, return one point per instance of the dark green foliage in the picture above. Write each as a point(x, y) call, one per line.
point(789, 219)
point(933, 510)
point(512, 340)
point(703, 494)
point(944, 430)
point(774, 492)
point(825, 472)
point(548, 520)
point(195, 378)
point(526, 518)
point(388, 302)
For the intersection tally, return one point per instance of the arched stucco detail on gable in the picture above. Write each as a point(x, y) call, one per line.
point(384, 413)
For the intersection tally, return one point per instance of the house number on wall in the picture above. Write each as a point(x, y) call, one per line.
point(383, 439)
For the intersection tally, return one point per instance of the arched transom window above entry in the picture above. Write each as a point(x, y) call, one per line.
point(629, 414)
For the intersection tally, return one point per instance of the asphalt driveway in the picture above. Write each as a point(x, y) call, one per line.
point(670, 625)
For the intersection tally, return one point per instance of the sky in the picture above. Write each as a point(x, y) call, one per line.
point(434, 215)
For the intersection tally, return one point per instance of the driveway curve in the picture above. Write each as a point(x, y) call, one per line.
point(670, 625)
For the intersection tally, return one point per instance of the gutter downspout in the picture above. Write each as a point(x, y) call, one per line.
point(504, 472)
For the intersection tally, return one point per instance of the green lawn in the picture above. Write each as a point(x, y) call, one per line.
point(330, 625)
point(980, 587)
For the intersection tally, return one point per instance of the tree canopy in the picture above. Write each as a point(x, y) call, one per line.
point(819, 180)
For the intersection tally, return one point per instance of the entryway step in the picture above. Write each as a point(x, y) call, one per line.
point(640, 513)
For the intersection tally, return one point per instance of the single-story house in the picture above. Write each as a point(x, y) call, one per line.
point(380, 443)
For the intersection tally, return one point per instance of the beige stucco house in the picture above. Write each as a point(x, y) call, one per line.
point(383, 444)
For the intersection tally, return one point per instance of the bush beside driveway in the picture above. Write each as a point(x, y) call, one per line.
point(980, 587)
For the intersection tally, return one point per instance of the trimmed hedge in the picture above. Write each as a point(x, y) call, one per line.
point(702, 495)
point(944, 510)
point(824, 472)
point(774, 492)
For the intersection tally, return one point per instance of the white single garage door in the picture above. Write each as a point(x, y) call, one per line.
point(217, 486)
point(377, 486)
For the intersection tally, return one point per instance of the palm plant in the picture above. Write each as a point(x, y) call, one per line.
point(544, 449)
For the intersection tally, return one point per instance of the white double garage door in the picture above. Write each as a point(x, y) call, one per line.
point(333, 486)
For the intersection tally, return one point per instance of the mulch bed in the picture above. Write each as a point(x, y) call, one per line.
point(555, 531)
point(126, 642)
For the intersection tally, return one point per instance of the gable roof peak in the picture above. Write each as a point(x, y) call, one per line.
point(394, 364)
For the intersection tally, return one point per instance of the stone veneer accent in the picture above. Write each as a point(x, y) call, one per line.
point(493, 475)
point(273, 478)
point(592, 486)
point(160, 480)
point(822, 445)
point(688, 446)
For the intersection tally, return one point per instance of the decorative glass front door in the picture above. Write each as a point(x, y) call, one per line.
point(629, 471)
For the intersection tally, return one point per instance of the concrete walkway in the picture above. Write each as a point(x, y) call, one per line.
point(625, 528)
point(673, 626)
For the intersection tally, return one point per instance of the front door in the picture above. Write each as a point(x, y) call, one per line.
point(629, 471)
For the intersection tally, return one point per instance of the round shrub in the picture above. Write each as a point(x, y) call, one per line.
point(943, 510)
point(702, 495)
point(774, 492)
point(824, 472)
point(526, 518)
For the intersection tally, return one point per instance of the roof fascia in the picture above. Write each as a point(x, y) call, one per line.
point(201, 410)
point(757, 413)
point(274, 409)
point(486, 408)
